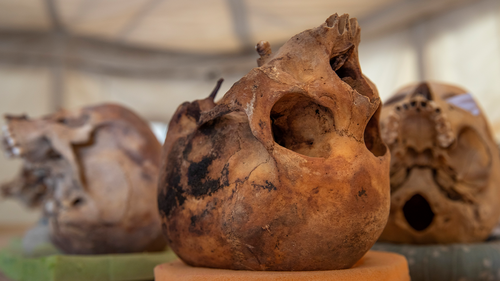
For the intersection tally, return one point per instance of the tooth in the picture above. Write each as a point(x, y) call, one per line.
point(342, 23)
point(5, 130)
point(16, 151)
point(50, 207)
point(354, 26)
point(10, 141)
point(332, 20)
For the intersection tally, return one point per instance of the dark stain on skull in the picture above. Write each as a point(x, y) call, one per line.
point(195, 226)
point(198, 171)
point(268, 185)
point(262, 124)
point(199, 181)
point(361, 183)
point(207, 129)
point(180, 112)
point(174, 194)
point(193, 110)
point(362, 192)
point(198, 224)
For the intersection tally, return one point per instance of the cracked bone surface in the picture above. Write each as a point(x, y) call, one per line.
point(445, 177)
point(94, 171)
point(288, 170)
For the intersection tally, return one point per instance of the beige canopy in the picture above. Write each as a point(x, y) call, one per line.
point(198, 26)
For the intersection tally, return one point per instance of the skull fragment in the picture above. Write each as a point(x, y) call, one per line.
point(94, 170)
point(288, 171)
point(445, 176)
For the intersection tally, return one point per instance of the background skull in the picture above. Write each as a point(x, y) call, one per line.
point(445, 173)
point(95, 171)
point(287, 171)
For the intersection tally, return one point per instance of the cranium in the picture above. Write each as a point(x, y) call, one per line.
point(95, 171)
point(287, 171)
point(445, 167)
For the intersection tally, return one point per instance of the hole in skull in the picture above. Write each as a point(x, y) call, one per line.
point(346, 66)
point(343, 69)
point(418, 212)
point(339, 60)
point(372, 138)
point(302, 125)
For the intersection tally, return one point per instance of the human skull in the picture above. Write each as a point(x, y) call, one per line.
point(445, 175)
point(287, 171)
point(95, 172)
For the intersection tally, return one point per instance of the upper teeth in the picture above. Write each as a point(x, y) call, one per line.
point(16, 150)
point(10, 141)
point(12, 148)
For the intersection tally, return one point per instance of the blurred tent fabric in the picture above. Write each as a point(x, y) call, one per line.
point(152, 55)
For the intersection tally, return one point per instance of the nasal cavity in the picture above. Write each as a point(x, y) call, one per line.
point(418, 213)
point(343, 71)
point(423, 90)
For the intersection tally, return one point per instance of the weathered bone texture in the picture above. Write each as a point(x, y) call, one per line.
point(445, 171)
point(95, 171)
point(287, 171)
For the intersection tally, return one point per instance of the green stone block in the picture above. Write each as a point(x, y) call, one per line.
point(59, 267)
point(450, 262)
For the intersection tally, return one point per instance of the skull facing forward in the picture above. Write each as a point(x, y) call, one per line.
point(94, 171)
point(287, 171)
point(445, 167)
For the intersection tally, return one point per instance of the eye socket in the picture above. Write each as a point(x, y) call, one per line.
point(302, 125)
point(471, 158)
point(469, 165)
point(372, 138)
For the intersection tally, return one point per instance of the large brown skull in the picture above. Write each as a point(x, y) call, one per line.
point(287, 171)
point(95, 172)
point(445, 173)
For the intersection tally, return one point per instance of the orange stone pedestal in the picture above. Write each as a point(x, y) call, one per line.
point(374, 266)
